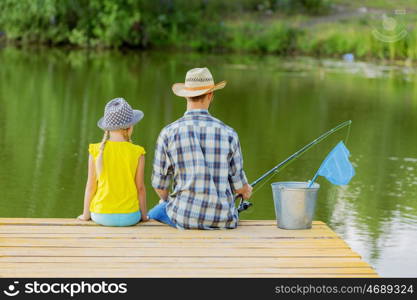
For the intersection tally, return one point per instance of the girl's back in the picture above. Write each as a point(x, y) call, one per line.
point(116, 188)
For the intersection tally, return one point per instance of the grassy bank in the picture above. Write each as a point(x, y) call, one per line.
point(283, 27)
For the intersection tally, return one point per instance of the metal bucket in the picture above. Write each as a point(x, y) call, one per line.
point(294, 204)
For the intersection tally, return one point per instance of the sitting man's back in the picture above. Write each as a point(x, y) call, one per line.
point(201, 156)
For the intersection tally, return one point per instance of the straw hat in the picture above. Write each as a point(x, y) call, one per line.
point(118, 114)
point(198, 81)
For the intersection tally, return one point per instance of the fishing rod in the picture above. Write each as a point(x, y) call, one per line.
point(244, 204)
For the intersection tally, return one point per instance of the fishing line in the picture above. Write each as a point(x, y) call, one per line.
point(348, 134)
point(272, 175)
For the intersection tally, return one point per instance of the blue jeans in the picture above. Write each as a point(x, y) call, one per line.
point(118, 220)
point(159, 213)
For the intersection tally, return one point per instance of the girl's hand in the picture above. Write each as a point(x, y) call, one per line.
point(145, 218)
point(83, 217)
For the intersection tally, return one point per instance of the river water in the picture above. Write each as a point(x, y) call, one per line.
point(50, 101)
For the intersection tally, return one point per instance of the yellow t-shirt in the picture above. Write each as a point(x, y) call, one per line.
point(116, 188)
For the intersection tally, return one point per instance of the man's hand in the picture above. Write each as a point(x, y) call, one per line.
point(245, 191)
point(163, 194)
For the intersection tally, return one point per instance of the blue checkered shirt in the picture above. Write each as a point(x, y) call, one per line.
point(201, 157)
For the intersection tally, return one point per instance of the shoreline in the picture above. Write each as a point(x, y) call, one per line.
point(137, 51)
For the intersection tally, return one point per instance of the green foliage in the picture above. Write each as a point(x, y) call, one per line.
point(112, 23)
point(202, 25)
point(357, 39)
point(312, 7)
point(276, 38)
point(77, 22)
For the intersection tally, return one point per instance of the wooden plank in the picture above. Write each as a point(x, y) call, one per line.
point(153, 229)
point(272, 261)
point(153, 263)
point(82, 272)
point(146, 243)
point(74, 222)
point(216, 252)
point(140, 269)
point(151, 232)
point(121, 236)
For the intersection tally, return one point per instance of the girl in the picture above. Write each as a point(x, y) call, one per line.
point(115, 187)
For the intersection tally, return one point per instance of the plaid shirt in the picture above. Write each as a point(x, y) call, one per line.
point(202, 156)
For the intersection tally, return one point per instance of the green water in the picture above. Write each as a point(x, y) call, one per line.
point(50, 102)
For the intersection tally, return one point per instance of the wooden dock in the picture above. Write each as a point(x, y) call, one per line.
point(71, 248)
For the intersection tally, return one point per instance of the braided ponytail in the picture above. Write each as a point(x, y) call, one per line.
point(99, 162)
point(126, 135)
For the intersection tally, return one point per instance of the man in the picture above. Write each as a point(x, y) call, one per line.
point(202, 157)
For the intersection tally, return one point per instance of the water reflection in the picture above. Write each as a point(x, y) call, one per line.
point(50, 101)
point(384, 232)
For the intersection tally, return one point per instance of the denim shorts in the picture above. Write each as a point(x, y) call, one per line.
point(159, 213)
point(118, 220)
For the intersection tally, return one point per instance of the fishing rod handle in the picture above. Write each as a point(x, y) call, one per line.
point(243, 204)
